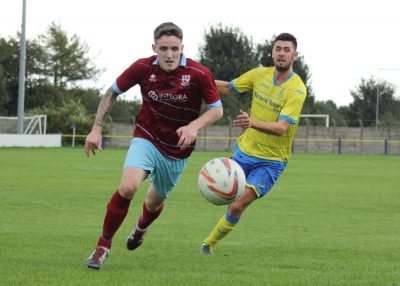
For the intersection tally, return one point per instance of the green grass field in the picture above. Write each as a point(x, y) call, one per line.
point(330, 220)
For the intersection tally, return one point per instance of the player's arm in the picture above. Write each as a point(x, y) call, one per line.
point(224, 88)
point(93, 140)
point(188, 134)
point(275, 128)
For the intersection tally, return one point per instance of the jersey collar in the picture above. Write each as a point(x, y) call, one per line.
point(182, 63)
point(289, 77)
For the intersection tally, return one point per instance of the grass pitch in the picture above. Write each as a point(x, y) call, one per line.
point(330, 220)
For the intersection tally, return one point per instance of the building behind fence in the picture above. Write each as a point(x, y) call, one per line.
point(309, 139)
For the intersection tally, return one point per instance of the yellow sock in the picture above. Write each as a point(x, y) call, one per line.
point(222, 228)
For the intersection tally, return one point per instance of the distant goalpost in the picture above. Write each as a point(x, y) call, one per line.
point(36, 124)
point(34, 132)
point(326, 116)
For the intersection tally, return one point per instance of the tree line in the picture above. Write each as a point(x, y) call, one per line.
point(58, 68)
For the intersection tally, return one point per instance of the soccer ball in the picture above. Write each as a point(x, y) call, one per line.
point(221, 181)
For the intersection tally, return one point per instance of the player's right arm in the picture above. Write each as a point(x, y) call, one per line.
point(224, 88)
point(93, 140)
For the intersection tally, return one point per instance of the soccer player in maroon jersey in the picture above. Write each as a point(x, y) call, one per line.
point(173, 88)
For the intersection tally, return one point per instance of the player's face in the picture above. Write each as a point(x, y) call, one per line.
point(168, 50)
point(284, 55)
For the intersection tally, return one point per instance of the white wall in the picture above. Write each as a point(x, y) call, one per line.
point(24, 140)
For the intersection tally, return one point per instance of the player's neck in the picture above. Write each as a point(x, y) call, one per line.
point(281, 76)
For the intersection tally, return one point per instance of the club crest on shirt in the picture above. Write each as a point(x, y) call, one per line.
point(185, 80)
point(152, 77)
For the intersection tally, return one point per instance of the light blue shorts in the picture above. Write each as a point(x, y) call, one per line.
point(261, 174)
point(164, 172)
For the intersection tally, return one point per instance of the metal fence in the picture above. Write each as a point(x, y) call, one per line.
point(309, 139)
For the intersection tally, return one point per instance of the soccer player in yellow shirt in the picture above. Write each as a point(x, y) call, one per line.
point(264, 148)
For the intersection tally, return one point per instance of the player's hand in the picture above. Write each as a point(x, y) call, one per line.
point(93, 141)
point(187, 135)
point(242, 120)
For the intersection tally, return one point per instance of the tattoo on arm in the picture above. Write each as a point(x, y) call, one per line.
point(106, 103)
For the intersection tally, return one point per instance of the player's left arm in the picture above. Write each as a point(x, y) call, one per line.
point(277, 128)
point(188, 133)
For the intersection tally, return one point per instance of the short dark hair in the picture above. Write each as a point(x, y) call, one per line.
point(286, 37)
point(167, 29)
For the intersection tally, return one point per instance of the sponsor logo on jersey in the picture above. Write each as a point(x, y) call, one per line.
point(276, 107)
point(167, 96)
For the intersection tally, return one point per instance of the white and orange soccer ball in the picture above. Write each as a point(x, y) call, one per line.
point(221, 181)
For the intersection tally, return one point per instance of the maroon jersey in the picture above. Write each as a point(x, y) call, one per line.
point(169, 100)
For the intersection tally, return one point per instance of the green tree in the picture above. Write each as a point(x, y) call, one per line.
point(125, 111)
point(364, 103)
point(37, 64)
point(228, 53)
point(9, 62)
point(35, 76)
point(62, 118)
point(68, 61)
point(56, 65)
point(330, 108)
point(3, 93)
